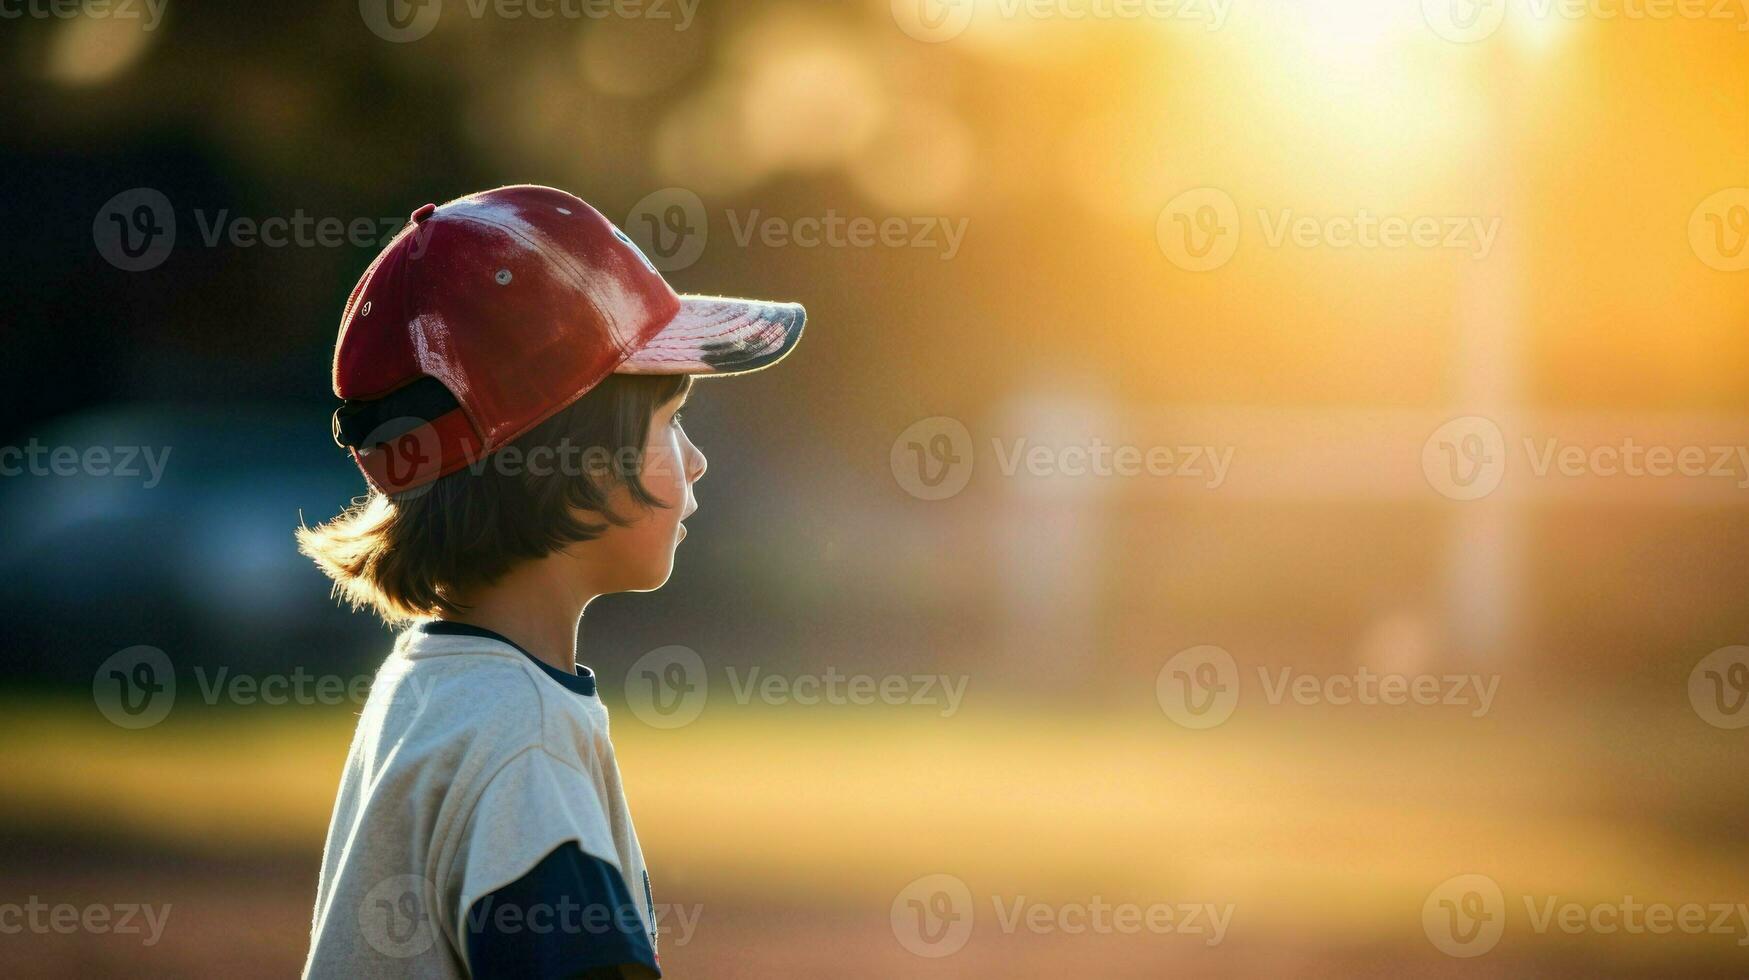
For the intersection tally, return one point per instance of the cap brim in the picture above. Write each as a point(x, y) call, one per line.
point(717, 335)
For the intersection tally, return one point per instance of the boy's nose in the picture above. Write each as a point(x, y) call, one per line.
point(695, 466)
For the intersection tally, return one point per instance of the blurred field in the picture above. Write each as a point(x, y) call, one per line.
point(1325, 829)
point(1610, 154)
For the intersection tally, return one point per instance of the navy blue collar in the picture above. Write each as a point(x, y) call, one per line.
point(583, 681)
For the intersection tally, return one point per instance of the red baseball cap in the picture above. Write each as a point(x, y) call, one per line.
point(489, 314)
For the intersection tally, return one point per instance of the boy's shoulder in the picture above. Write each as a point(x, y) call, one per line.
point(479, 692)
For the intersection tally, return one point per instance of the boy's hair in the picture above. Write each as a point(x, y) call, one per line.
point(411, 555)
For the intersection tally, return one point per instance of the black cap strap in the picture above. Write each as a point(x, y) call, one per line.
point(382, 419)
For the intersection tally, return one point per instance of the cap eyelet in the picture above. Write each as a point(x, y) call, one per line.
point(564, 210)
point(365, 309)
point(503, 277)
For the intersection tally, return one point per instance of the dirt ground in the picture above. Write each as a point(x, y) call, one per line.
point(249, 917)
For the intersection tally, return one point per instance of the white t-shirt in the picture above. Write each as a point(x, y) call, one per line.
point(472, 763)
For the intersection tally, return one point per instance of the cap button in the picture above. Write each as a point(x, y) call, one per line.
point(424, 212)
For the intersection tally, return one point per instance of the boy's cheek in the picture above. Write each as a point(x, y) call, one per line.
point(665, 477)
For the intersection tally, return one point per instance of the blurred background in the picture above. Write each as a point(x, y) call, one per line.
point(1172, 369)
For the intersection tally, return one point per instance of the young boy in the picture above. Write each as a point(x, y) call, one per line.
point(512, 370)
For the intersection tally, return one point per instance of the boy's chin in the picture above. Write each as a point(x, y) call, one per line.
point(628, 569)
point(654, 579)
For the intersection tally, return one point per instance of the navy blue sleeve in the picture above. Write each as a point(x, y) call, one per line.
point(571, 916)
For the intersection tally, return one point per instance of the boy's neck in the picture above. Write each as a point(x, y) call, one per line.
point(535, 608)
